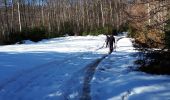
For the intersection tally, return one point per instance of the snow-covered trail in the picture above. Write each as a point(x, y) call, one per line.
point(16, 59)
point(59, 77)
point(115, 80)
point(74, 68)
point(50, 82)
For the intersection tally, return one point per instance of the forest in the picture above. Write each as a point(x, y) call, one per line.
point(37, 19)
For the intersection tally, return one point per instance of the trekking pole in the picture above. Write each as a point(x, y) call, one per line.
point(101, 47)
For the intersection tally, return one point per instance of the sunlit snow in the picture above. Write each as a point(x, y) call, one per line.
point(56, 69)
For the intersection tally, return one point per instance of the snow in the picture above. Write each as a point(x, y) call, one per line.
point(21, 57)
point(37, 71)
point(56, 69)
point(114, 79)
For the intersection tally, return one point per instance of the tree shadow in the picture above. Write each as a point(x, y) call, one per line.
point(50, 71)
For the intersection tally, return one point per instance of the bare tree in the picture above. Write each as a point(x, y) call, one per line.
point(60, 16)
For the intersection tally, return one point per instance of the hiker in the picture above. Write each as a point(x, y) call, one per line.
point(111, 43)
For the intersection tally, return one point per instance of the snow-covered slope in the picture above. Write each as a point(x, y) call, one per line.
point(114, 79)
point(57, 69)
point(14, 58)
point(42, 70)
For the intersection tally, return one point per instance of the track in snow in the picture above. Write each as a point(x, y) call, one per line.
point(16, 86)
point(88, 77)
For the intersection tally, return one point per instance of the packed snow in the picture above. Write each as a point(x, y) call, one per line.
point(75, 67)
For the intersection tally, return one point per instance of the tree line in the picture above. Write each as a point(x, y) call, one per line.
point(58, 17)
point(37, 19)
